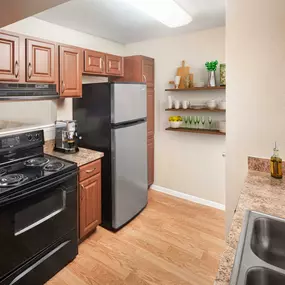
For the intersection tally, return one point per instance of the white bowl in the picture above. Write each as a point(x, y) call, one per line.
point(222, 126)
point(222, 105)
point(211, 104)
point(175, 125)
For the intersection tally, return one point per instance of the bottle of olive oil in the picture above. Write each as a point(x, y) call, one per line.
point(276, 164)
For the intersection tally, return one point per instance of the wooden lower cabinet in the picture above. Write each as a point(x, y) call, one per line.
point(89, 204)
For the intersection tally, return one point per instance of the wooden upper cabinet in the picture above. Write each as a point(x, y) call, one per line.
point(114, 65)
point(70, 65)
point(94, 62)
point(9, 57)
point(90, 204)
point(150, 112)
point(40, 61)
point(148, 71)
point(150, 160)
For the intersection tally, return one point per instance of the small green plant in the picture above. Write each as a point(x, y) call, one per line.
point(212, 65)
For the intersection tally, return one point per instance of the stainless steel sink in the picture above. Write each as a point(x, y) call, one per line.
point(260, 256)
point(268, 241)
point(264, 276)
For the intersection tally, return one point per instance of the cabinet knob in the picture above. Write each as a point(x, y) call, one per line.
point(144, 78)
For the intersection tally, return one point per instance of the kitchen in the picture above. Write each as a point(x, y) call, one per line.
point(95, 235)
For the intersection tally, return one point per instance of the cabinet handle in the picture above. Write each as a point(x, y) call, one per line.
point(101, 60)
point(30, 70)
point(62, 86)
point(119, 66)
point(144, 78)
point(110, 64)
point(81, 192)
point(17, 68)
point(90, 170)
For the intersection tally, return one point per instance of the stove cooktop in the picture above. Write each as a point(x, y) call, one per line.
point(31, 171)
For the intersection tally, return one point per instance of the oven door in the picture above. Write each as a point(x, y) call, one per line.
point(34, 222)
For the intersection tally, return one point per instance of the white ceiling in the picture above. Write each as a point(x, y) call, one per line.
point(119, 21)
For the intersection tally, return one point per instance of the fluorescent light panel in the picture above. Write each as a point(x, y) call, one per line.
point(167, 12)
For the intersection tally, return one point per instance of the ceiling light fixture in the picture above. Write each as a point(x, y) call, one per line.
point(167, 12)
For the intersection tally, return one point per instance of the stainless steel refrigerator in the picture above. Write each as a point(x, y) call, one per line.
point(111, 118)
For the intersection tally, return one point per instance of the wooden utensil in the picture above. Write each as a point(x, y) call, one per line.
point(182, 71)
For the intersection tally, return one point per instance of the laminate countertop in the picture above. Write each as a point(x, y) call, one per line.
point(82, 157)
point(260, 193)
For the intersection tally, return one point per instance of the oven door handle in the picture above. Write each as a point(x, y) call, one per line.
point(26, 194)
point(46, 218)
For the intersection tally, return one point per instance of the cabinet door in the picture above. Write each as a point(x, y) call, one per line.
point(90, 204)
point(148, 71)
point(9, 58)
point(150, 160)
point(70, 71)
point(40, 61)
point(94, 62)
point(150, 112)
point(114, 65)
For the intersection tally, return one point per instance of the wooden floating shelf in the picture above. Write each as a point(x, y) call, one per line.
point(197, 110)
point(207, 132)
point(197, 88)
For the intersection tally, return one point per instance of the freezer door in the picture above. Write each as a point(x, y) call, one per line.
point(129, 172)
point(128, 102)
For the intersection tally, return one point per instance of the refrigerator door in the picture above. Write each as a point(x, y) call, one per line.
point(128, 102)
point(129, 172)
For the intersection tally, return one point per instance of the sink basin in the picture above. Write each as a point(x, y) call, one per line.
point(268, 241)
point(264, 276)
point(260, 255)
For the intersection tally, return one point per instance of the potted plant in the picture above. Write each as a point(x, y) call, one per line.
point(211, 67)
point(175, 121)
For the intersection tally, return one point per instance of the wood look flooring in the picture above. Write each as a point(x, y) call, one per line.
point(172, 241)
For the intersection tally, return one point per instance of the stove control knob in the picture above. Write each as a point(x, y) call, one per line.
point(29, 136)
point(37, 136)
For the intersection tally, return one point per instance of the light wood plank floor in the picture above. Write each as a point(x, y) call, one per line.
point(172, 241)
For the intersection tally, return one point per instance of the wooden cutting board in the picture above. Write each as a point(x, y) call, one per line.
point(182, 71)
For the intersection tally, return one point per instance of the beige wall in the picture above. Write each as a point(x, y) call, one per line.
point(62, 109)
point(255, 46)
point(184, 162)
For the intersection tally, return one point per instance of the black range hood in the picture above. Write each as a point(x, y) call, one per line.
point(22, 91)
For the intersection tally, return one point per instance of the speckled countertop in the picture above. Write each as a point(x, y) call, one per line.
point(82, 157)
point(260, 193)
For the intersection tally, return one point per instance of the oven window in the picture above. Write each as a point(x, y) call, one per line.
point(40, 212)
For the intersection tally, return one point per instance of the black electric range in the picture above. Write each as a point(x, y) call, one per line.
point(38, 210)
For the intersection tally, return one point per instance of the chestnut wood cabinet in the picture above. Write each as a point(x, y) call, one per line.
point(27, 59)
point(94, 62)
point(114, 65)
point(70, 65)
point(90, 198)
point(9, 57)
point(141, 69)
point(40, 61)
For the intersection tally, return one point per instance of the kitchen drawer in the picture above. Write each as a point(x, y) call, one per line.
point(89, 169)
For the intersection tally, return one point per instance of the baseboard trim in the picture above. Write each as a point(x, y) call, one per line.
point(188, 197)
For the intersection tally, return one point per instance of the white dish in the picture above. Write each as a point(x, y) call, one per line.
point(199, 84)
point(175, 125)
point(197, 107)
